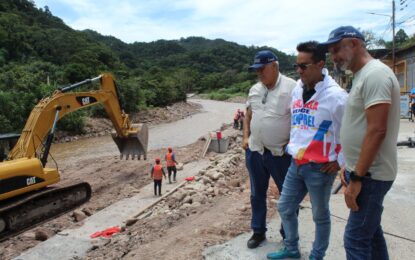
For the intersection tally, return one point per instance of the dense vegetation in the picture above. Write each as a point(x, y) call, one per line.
point(38, 53)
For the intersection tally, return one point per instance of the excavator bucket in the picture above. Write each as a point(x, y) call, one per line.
point(135, 145)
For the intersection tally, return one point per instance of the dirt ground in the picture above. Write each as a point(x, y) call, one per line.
point(174, 230)
point(171, 230)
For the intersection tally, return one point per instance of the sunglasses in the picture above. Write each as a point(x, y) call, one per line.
point(302, 66)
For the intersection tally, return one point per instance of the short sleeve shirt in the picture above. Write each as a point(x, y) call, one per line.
point(373, 84)
point(271, 116)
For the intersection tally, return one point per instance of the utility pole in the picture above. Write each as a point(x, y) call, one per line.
point(393, 35)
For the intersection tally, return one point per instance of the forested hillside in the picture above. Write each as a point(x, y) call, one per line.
point(38, 53)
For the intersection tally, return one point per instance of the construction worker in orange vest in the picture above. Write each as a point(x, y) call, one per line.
point(157, 173)
point(171, 164)
point(241, 120)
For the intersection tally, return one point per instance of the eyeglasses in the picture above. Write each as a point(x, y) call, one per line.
point(264, 99)
point(302, 66)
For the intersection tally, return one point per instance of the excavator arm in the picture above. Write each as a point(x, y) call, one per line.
point(131, 139)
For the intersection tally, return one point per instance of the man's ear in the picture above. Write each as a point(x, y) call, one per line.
point(321, 64)
point(355, 42)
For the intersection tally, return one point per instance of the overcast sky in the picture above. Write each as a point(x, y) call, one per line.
point(276, 23)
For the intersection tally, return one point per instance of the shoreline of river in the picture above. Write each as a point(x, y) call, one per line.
point(97, 127)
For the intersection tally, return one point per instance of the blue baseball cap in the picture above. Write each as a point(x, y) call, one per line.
point(341, 33)
point(262, 58)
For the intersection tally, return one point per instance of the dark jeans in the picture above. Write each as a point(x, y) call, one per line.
point(363, 237)
point(260, 168)
point(157, 183)
point(171, 169)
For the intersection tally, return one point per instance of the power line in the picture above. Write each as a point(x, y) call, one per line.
point(407, 19)
point(404, 4)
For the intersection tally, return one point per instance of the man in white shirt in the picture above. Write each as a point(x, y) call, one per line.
point(266, 133)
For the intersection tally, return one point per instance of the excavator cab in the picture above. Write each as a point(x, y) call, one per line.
point(7, 141)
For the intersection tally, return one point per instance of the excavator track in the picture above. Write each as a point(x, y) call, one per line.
point(19, 215)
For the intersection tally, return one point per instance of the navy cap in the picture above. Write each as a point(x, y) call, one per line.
point(341, 33)
point(262, 58)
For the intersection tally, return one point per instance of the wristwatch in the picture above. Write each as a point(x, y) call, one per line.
point(355, 177)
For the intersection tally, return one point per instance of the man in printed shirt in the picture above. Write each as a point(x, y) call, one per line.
point(369, 135)
point(317, 110)
point(266, 132)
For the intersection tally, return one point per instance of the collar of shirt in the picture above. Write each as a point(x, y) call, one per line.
point(276, 84)
point(322, 84)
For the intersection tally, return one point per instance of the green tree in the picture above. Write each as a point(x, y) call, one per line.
point(401, 37)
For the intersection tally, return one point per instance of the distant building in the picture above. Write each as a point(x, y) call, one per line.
point(404, 65)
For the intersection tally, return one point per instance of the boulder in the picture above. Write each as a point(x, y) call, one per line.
point(235, 183)
point(187, 199)
point(78, 215)
point(41, 235)
point(29, 235)
point(87, 211)
point(179, 196)
point(179, 166)
point(199, 198)
point(214, 175)
point(243, 208)
point(221, 183)
point(216, 191)
point(195, 205)
point(131, 222)
point(206, 180)
point(186, 206)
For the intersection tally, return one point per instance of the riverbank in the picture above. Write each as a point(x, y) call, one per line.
point(96, 127)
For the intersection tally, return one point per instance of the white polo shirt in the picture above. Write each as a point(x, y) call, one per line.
point(271, 116)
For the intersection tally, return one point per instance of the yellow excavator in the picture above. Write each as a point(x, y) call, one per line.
point(26, 198)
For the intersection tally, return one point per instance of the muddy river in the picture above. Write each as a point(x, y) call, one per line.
point(179, 133)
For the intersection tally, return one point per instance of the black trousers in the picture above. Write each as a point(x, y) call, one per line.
point(157, 183)
point(170, 170)
point(235, 123)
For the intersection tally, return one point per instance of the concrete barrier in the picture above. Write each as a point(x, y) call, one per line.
point(219, 146)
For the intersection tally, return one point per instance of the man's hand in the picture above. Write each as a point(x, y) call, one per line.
point(351, 193)
point(245, 143)
point(330, 167)
point(343, 177)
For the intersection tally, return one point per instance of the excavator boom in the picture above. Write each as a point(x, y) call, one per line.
point(63, 102)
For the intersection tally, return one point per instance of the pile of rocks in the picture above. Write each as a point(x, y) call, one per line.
point(219, 178)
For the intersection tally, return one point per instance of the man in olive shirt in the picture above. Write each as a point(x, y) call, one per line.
point(368, 137)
